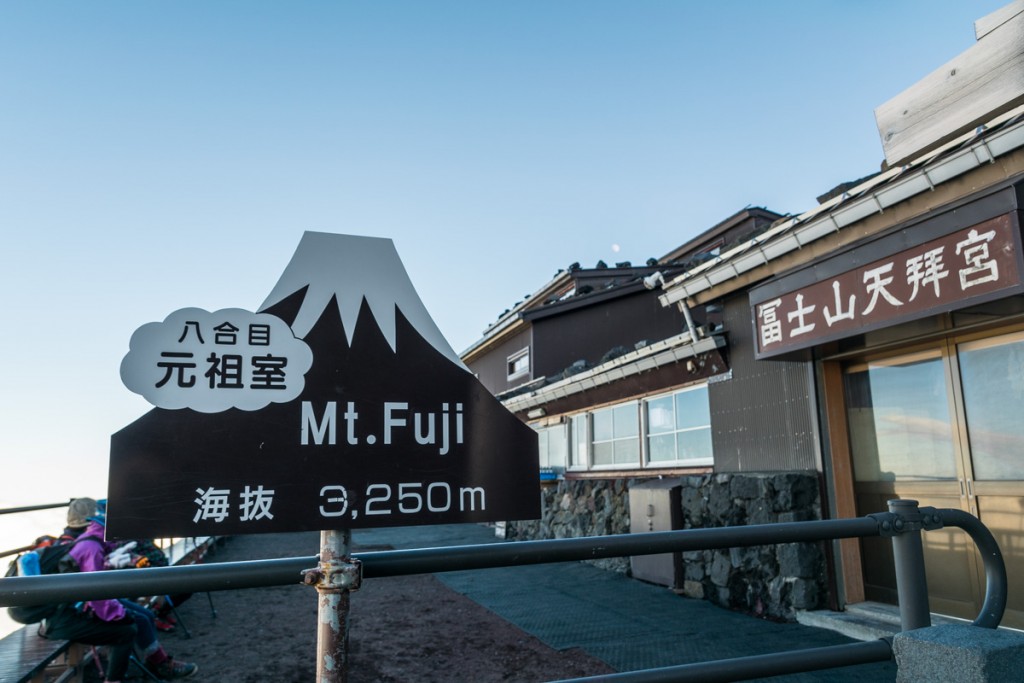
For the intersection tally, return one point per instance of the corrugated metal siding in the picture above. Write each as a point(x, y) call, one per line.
point(762, 419)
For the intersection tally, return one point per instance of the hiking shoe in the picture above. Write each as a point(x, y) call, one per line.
point(171, 668)
point(166, 612)
point(163, 625)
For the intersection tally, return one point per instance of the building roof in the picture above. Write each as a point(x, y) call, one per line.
point(962, 116)
point(567, 290)
point(1000, 136)
point(759, 214)
point(578, 287)
point(643, 359)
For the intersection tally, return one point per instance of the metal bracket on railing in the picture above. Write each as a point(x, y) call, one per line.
point(892, 524)
point(889, 524)
point(335, 575)
point(931, 519)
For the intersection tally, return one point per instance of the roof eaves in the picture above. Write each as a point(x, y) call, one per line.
point(650, 357)
point(1002, 135)
point(507, 320)
point(717, 230)
point(511, 326)
point(583, 300)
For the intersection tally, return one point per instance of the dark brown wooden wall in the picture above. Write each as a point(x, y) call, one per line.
point(492, 369)
point(588, 333)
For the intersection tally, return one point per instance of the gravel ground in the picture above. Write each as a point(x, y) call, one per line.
point(407, 629)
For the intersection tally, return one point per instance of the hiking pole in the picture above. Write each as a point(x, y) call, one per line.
point(177, 617)
point(195, 545)
point(132, 659)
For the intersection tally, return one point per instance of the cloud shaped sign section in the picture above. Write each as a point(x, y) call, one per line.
point(209, 362)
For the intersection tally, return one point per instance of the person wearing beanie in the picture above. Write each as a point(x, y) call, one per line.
point(121, 624)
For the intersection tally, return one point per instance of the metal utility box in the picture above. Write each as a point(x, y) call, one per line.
point(656, 506)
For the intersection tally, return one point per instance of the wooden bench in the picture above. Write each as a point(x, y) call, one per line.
point(27, 657)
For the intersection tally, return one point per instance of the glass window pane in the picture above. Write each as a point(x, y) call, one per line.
point(627, 452)
point(660, 415)
point(694, 444)
point(604, 453)
point(602, 421)
point(692, 409)
point(900, 426)
point(518, 363)
point(626, 421)
point(992, 376)
point(553, 446)
point(580, 440)
point(661, 448)
point(558, 446)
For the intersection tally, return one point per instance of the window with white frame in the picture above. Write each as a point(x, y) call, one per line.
point(679, 428)
point(579, 442)
point(671, 430)
point(518, 364)
point(615, 435)
point(553, 445)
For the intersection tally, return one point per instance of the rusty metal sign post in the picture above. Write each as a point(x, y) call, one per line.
point(334, 578)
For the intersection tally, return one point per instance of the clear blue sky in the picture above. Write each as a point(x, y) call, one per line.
point(161, 155)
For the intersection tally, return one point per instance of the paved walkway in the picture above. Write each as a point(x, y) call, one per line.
point(629, 624)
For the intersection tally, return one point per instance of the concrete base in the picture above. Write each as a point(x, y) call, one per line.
point(864, 620)
point(956, 652)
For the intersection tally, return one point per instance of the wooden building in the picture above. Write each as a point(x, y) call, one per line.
point(654, 418)
point(901, 300)
point(783, 368)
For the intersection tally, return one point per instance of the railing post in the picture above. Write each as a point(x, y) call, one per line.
point(336, 575)
point(908, 556)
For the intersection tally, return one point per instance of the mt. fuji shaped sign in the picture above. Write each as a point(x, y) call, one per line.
point(337, 405)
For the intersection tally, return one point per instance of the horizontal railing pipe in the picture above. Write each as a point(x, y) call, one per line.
point(16, 551)
point(757, 666)
point(16, 591)
point(33, 508)
point(56, 588)
point(32, 590)
point(433, 560)
point(996, 586)
point(28, 508)
point(263, 573)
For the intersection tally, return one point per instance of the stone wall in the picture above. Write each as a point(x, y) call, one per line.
point(577, 508)
point(772, 581)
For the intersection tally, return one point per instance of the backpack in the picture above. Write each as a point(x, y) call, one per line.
point(49, 555)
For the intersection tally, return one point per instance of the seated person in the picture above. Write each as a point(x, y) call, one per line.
point(140, 553)
point(117, 623)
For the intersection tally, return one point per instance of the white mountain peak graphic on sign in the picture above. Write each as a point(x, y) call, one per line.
point(353, 268)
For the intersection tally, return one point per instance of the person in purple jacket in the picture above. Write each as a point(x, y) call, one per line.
point(119, 624)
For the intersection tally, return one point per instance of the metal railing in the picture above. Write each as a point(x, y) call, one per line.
point(33, 508)
point(28, 508)
point(903, 523)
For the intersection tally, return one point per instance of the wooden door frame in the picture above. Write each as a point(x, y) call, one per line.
point(842, 479)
